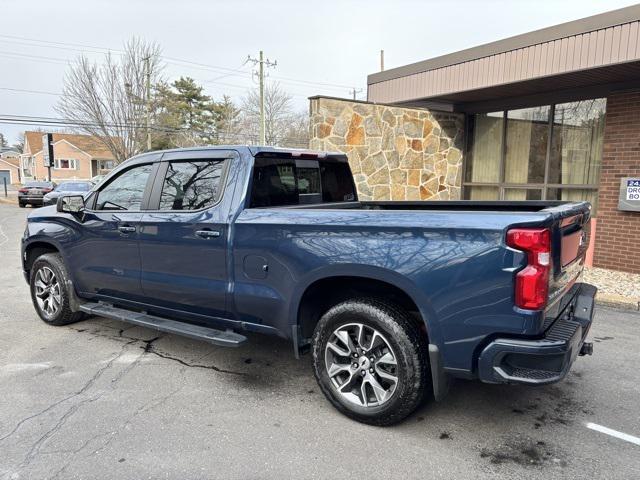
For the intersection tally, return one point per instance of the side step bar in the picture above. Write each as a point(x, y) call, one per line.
point(211, 335)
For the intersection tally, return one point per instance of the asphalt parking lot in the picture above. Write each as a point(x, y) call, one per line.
point(102, 399)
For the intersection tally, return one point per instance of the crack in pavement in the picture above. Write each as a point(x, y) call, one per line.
point(148, 348)
point(114, 433)
point(35, 448)
point(192, 365)
point(86, 386)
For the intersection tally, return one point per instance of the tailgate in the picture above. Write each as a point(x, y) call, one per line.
point(570, 239)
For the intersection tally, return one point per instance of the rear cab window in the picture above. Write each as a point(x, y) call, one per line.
point(288, 181)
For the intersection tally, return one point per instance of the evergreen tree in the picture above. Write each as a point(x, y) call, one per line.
point(184, 114)
point(228, 121)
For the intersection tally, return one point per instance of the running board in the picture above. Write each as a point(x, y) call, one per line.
point(211, 335)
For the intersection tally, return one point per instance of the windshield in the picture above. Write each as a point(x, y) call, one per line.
point(74, 187)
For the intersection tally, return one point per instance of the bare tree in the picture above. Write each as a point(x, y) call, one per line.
point(297, 132)
point(278, 114)
point(19, 144)
point(228, 125)
point(107, 100)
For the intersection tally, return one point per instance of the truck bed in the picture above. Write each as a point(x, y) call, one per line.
point(439, 205)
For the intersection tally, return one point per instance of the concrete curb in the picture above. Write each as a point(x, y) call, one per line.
point(9, 200)
point(619, 302)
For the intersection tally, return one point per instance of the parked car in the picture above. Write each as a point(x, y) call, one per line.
point(32, 193)
point(67, 188)
point(392, 298)
point(96, 179)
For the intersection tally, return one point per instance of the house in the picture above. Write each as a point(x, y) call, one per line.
point(76, 157)
point(9, 166)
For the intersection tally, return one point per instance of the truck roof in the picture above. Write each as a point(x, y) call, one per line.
point(253, 149)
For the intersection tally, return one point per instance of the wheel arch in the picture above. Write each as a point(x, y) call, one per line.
point(326, 288)
point(35, 249)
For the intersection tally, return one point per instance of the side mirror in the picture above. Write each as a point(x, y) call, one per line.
point(70, 204)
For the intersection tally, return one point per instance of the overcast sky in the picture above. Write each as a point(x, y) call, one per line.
point(321, 47)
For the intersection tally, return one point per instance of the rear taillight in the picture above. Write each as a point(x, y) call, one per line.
point(23, 190)
point(47, 190)
point(532, 282)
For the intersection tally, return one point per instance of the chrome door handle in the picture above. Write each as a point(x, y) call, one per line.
point(208, 233)
point(126, 229)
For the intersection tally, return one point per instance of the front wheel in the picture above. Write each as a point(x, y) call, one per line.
point(48, 282)
point(370, 360)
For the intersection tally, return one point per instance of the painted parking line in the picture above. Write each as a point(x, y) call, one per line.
point(614, 433)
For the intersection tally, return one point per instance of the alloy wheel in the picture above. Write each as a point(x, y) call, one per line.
point(47, 292)
point(361, 365)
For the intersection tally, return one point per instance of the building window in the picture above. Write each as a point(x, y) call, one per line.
point(526, 145)
point(27, 166)
point(549, 152)
point(106, 165)
point(576, 147)
point(65, 163)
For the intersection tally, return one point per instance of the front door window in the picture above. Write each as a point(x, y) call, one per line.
point(125, 192)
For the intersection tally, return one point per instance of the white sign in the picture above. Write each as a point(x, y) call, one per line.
point(633, 189)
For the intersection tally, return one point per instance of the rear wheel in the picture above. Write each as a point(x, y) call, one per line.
point(21, 205)
point(48, 282)
point(370, 361)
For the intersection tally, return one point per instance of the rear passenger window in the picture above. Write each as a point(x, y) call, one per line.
point(191, 185)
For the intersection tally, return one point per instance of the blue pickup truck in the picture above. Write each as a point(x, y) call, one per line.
point(393, 299)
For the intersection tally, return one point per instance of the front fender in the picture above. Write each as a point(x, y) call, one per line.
point(55, 232)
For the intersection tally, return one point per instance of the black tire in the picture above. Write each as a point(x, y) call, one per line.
point(405, 339)
point(21, 205)
point(63, 315)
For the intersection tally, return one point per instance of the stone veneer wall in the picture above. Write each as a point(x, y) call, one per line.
point(395, 153)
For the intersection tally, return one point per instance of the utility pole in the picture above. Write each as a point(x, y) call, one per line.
point(261, 62)
point(147, 104)
point(354, 92)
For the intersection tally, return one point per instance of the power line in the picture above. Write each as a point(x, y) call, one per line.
point(98, 52)
point(168, 59)
point(229, 85)
point(59, 61)
point(22, 90)
point(19, 56)
point(51, 42)
point(60, 122)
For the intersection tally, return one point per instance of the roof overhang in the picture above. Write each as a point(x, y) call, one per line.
point(586, 57)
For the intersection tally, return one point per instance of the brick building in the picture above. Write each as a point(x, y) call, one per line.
point(618, 234)
point(552, 114)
